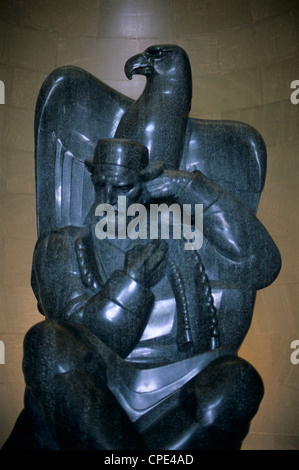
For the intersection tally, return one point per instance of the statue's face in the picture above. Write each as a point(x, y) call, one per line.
point(109, 185)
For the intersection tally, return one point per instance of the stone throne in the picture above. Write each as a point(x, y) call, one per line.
point(74, 111)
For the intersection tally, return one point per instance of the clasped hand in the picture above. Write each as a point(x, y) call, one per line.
point(146, 264)
point(168, 185)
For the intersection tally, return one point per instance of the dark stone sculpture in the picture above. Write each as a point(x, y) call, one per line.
point(139, 346)
point(163, 108)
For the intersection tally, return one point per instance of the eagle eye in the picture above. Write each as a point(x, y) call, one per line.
point(154, 52)
point(157, 52)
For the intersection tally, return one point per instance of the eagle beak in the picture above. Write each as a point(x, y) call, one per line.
point(137, 65)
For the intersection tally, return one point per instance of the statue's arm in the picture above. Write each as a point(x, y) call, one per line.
point(116, 313)
point(246, 252)
point(235, 232)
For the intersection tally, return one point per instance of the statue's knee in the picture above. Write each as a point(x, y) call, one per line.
point(52, 348)
point(44, 339)
point(242, 386)
point(41, 345)
point(227, 391)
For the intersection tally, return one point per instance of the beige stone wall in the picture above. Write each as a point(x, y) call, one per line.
point(244, 56)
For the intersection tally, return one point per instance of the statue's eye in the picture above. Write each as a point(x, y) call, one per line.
point(126, 189)
point(98, 180)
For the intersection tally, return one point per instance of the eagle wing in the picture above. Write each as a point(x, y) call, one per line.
point(74, 109)
point(230, 153)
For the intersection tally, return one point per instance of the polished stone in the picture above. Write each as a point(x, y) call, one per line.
point(139, 346)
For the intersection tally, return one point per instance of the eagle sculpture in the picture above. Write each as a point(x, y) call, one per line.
point(75, 109)
point(158, 119)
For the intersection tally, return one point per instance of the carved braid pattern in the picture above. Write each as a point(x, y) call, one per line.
point(184, 335)
point(84, 266)
point(203, 282)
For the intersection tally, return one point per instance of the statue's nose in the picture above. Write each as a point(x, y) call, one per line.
point(109, 194)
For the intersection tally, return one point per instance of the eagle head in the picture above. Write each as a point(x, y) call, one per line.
point(158, 118)
point(167, 63)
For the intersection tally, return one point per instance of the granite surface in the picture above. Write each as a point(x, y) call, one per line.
point(139, 346)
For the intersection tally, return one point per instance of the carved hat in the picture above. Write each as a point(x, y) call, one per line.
point(120, 154)
point(123, 157)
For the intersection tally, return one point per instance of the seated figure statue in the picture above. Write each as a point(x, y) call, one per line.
point(139, 345)
point(134, 352)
